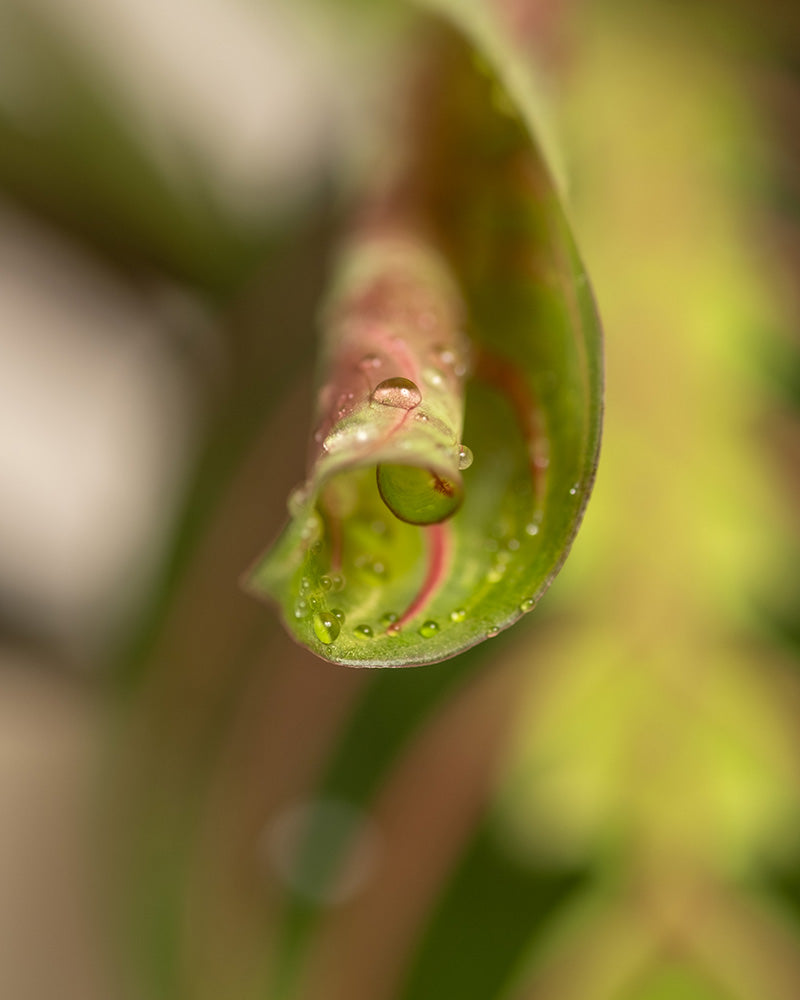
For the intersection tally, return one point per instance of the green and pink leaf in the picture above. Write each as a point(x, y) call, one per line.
point(460, 323)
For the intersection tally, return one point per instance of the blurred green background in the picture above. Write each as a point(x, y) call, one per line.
point(602, 803)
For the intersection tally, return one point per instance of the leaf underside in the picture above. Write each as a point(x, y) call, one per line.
point(355, 583)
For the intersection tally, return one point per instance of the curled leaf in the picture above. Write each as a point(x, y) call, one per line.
point(462, 314)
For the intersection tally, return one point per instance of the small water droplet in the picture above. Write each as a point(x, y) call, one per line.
point(325, 582)
point(492, 632)
point(364, 630)
point(338, 615)
point(326, 627)
point(369, 362)
point(301, 609)
point(495, 574)
point(464, 457)
point(532, 528)
point(527, 605)
point(298, 499)
point(512, 544)
point(337, 581)
point(573, 490)
point(433, 376)
point(446, 355)
point(458, 615)
point(399, 392)
point(315, 602)
point(389, 618)
point(305, 583)
point(378, 568)
point(428, 628)
point(422, 417)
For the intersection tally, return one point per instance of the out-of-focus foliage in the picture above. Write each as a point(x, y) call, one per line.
point(600, 804)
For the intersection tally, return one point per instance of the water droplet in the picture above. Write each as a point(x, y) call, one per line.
point(326, 627)
point(325, 582)
point(315, 602)
point(337, 581)
point(458, 615)
point(298, 498)
point(532, 528)
point(446, 355)
point(492, 631)
point(464, 457)
point(389, 618)
point(495, 574)
point(573, 490)
point(369, 362)
point(301, 609)
point(512, 544)
point(422, 417)
point(527, 605)
point(399, 392)
point(433, 376)
point(338, 615)
point(364, 630)
point(428, 628)
point(305, 583)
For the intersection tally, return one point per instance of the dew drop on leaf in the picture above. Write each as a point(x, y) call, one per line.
point(326, 627)
point(399, 392)
point(369, 362)
point(527, 605)
point(428, 628)
point(338, 615)
point(464, 457)
point(364, 630)
point(458, 615)
point(433, 376)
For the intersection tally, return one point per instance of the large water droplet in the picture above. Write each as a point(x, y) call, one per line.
point(428, 628)
point(464, 457)
point(399, 392)
point(326, 627)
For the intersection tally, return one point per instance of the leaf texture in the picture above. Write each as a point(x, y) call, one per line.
point(461, 324)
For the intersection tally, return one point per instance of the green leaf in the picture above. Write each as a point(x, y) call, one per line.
point(471, 273)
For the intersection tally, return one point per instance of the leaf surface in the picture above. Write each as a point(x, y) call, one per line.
point(466, 298)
